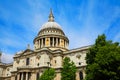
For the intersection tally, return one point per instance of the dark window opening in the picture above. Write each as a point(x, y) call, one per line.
point(81, 75)
point(38, 64)
point(54, 41)
point(16, 77)
point(58, 41)
point(24, 76)
point(20, 76)
point(37, 76)
point(64, 43)
point(79, 63)
point(43, 41)
point(29, 75)
point(27, 61)
point(51, 41)
point(55, 61)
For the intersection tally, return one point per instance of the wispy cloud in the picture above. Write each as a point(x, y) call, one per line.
point(7, 58)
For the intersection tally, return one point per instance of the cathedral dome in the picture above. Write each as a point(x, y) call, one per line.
point(51, 36)
point(51, 25)
point(51, 28)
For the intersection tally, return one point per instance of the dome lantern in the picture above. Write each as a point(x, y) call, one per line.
point(51, 17)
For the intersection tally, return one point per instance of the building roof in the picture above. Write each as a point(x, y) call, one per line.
point(51, 23)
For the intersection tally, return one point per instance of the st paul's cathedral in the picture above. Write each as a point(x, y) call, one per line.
point(50, 48)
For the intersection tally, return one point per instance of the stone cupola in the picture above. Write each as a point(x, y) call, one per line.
point(51, 36)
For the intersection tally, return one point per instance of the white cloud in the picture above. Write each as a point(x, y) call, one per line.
point(117, 37)
point(7, 58)
point(81, 31)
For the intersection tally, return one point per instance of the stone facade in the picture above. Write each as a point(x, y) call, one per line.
point(50, 48)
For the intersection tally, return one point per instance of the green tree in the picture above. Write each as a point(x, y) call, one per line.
point(103, 60)
point(69, 69)
point(48, 74)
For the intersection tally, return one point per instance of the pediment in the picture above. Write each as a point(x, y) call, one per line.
point(27, 51)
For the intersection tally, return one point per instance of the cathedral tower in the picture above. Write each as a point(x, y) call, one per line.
point(51, 36)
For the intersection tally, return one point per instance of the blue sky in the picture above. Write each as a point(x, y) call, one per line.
point(81, 20)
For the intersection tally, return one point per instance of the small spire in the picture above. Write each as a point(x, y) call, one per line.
point(28, 46)
point(51, 17)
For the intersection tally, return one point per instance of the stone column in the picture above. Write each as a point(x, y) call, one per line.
point(77, 75)
point(18, 76)
point(13, 77)
point(33, 77)
point(53, 41)
point(56, 42)
point(37, 44)
point(64, 43)
point(84, 74)
point(41, 42)
point(26, 75)
point(21, 76)
point(60, 42)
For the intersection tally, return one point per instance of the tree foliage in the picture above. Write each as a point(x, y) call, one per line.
point(103, 60)
point(69, 69)
point(48, 74)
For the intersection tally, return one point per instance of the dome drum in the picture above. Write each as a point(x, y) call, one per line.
point(51, 42)
point(51, 31)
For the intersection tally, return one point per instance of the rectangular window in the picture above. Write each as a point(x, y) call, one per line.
point(27, 61)
point(15, 77)
point(24, 76)
point(20, 76)
point(51, 41)
point(58, 41)
point(29, 75)
point(43, 41)
point(54, 41)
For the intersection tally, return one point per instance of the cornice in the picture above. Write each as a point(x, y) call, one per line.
point(84, 48)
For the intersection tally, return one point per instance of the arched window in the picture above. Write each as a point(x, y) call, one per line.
point(81, 75)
